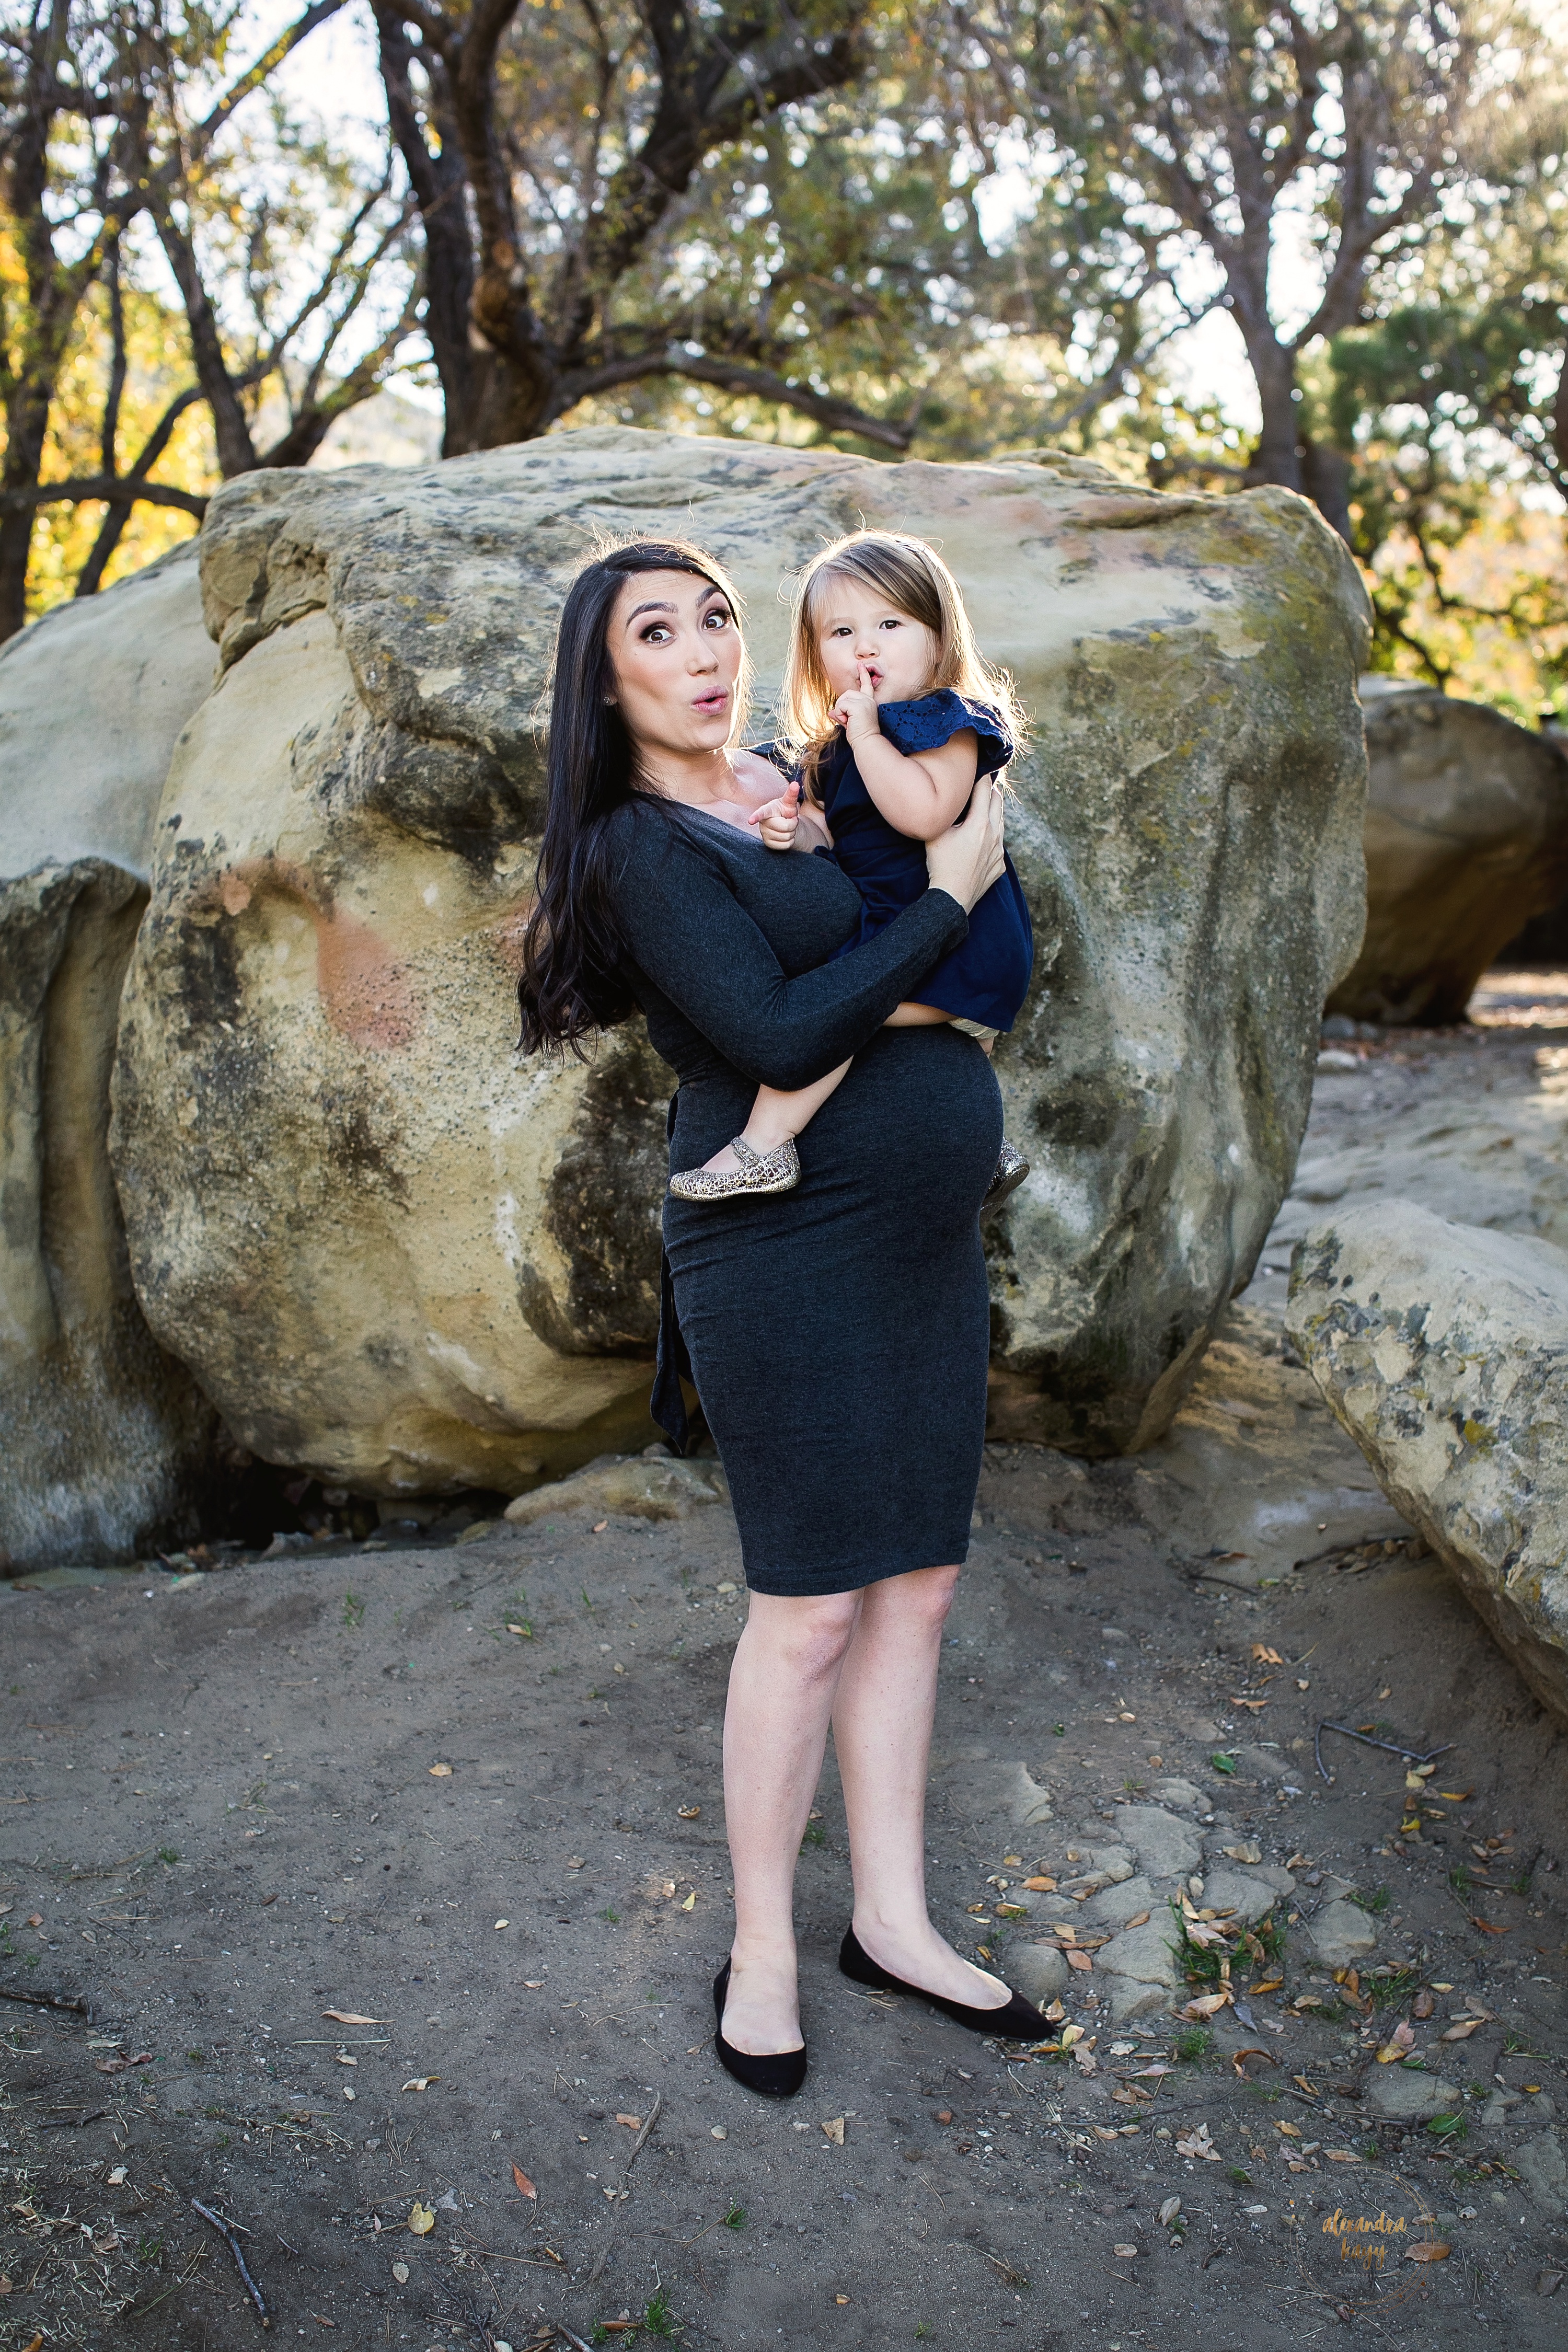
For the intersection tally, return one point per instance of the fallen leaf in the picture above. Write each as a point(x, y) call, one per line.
point(440, 1772)
point(420, 2082)
point(421, 2219)
point(841, 2298)
point(400, 2273)
point(1267, 1656)
point(1139, 1920)
point(1169, 2211)
point(1125, 2253)
point(1198, 2143)
point(1041, 1885)
point(1486, 1927)
point(1053, 2011)
point(834, 2131)
point(1460, 2033)
point(1243, 1852)
point(1454, 1796)
point(1076, 1959)
point(688, 1813)
point(691, 1902)
point(35, 1919)
point(1206, 2004)
point(117, 2178)
point(351, 2016)
point(533, 1984)
point(343, 2058)
point(633, 2123)
point(1289, 2130)
point(1103, 2131)
point(1423, 2004)
point(523, 1630)
point(525, 2187)
point(1343, 2155)
point(1426, 2249)
point(1254, 1705)
point(1236, 2057)
point(1269, 1984)
point(503, 1923)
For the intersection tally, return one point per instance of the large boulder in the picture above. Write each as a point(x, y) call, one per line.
point(1443, 1351)
point(107, 1441)
point(1467, 837)
point(395, 1255)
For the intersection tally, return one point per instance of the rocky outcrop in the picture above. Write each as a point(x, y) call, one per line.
point(394, 1255)
point(1467, 837)
point(1443, 1349)
point(107, 1441)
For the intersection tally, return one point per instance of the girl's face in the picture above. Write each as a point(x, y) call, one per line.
point(856, 628)
point(675, 651)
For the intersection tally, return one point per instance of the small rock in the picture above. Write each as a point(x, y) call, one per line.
point(1403, 2094)
point(1248, 1893)
point(1166, 1846)
point(1180, 1793)
point(1036, 1970)
point(1541, 2165)
point(1118, 1904)
point(1141, 1969)
point(627, 1484)
point(1342, 1934)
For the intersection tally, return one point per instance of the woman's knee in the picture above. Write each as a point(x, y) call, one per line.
point(805, 1637)
point(921, 1598)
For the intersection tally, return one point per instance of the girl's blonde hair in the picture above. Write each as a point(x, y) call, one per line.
point(915, 580)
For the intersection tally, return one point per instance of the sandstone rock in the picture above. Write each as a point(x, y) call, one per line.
point(1466, 836)
point(1180, 1793)
point(1036, 1970)
point(1115, 1904)
point(1443, 1351)
point(395, 1258)
point(1166, 1846)
point(109, 1446)
point(1540, 2161)
point(1404, 2094)
point(1250, 1893)
point(1339, 1933)
point(981, 1787)
point(629, 1485)
point(1140, 1968)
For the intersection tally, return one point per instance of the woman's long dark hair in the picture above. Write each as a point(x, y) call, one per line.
point(573, 980)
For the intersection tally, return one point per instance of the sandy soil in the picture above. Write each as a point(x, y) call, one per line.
point(225, 1819)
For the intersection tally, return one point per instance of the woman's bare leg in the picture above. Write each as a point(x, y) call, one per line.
point(882, 1719)
point(774, 1117)
point(785, 1670)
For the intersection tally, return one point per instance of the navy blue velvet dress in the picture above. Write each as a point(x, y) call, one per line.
point(986, 979)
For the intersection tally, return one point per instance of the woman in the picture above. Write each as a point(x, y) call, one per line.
point(838, 1333)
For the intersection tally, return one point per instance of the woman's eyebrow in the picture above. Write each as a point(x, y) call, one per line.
point(638, 610)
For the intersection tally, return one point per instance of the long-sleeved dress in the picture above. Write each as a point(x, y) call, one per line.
point(838, 1333)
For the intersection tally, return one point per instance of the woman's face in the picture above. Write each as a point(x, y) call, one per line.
point(674, 648)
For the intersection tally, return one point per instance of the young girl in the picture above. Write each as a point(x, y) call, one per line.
point(893, 717)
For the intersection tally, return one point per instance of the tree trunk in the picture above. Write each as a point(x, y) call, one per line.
point(1277, 455)
point(27, 426)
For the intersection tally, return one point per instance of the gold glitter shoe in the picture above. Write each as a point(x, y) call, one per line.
point(776, 1171)
point(1011, 1170)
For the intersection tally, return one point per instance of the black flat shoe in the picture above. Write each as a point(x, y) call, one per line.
point(778, 2074)
point(1015, 2020)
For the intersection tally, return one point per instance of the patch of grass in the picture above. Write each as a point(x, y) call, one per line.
point(815, 1835)
point(735, 2218)
point(921, 2331)
point(169, 1853)
point(659, 2319)
point(1516, 2046)
point(1370, 2149)
point(1059, 1731)
point(1461, 1883)
point(613, 1917)
point(354, 1610)
point(197, 2057)
point(1242, 2179)
point(148, 2249)
point(1194, 2043)
point(1376, 1902)
point(1392, 1985)
point(1135, 1787)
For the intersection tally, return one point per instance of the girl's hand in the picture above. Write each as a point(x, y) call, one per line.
point(777, 820)
point(856, 709)
point(969, 857)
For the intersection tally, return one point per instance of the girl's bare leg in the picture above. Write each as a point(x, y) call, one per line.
point(882, 1719)
point(774, 1117)
point(782, 1683)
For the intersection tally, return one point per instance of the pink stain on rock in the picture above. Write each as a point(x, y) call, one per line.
point(365, 990)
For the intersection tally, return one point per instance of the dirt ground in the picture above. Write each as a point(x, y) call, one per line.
point(466, 1793)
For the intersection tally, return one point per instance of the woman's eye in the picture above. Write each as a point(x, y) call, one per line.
point(655, 634)
point(717, 621)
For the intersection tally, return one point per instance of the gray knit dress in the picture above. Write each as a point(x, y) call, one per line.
point(839, 1333)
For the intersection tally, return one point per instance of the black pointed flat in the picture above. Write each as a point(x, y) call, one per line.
point(1015, 2020)
point(777, 2073)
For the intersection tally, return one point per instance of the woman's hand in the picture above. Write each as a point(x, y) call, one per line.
point(777, 819)
point(968, 858)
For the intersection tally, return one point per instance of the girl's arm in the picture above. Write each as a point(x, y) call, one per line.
point(919, 794)
point(684, 928)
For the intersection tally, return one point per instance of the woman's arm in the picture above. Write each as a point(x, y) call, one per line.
point(684, 928)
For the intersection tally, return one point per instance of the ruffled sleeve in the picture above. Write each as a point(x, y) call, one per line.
point(926, 724)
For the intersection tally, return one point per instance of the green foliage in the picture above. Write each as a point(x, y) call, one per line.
point(1223, 1760)
point(169, 1855)
point(1448, 2128)
point(815, 1835)
point(354, 1610)
point(735, 2218)
point(1192, 2043)
point(1374, 1902)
